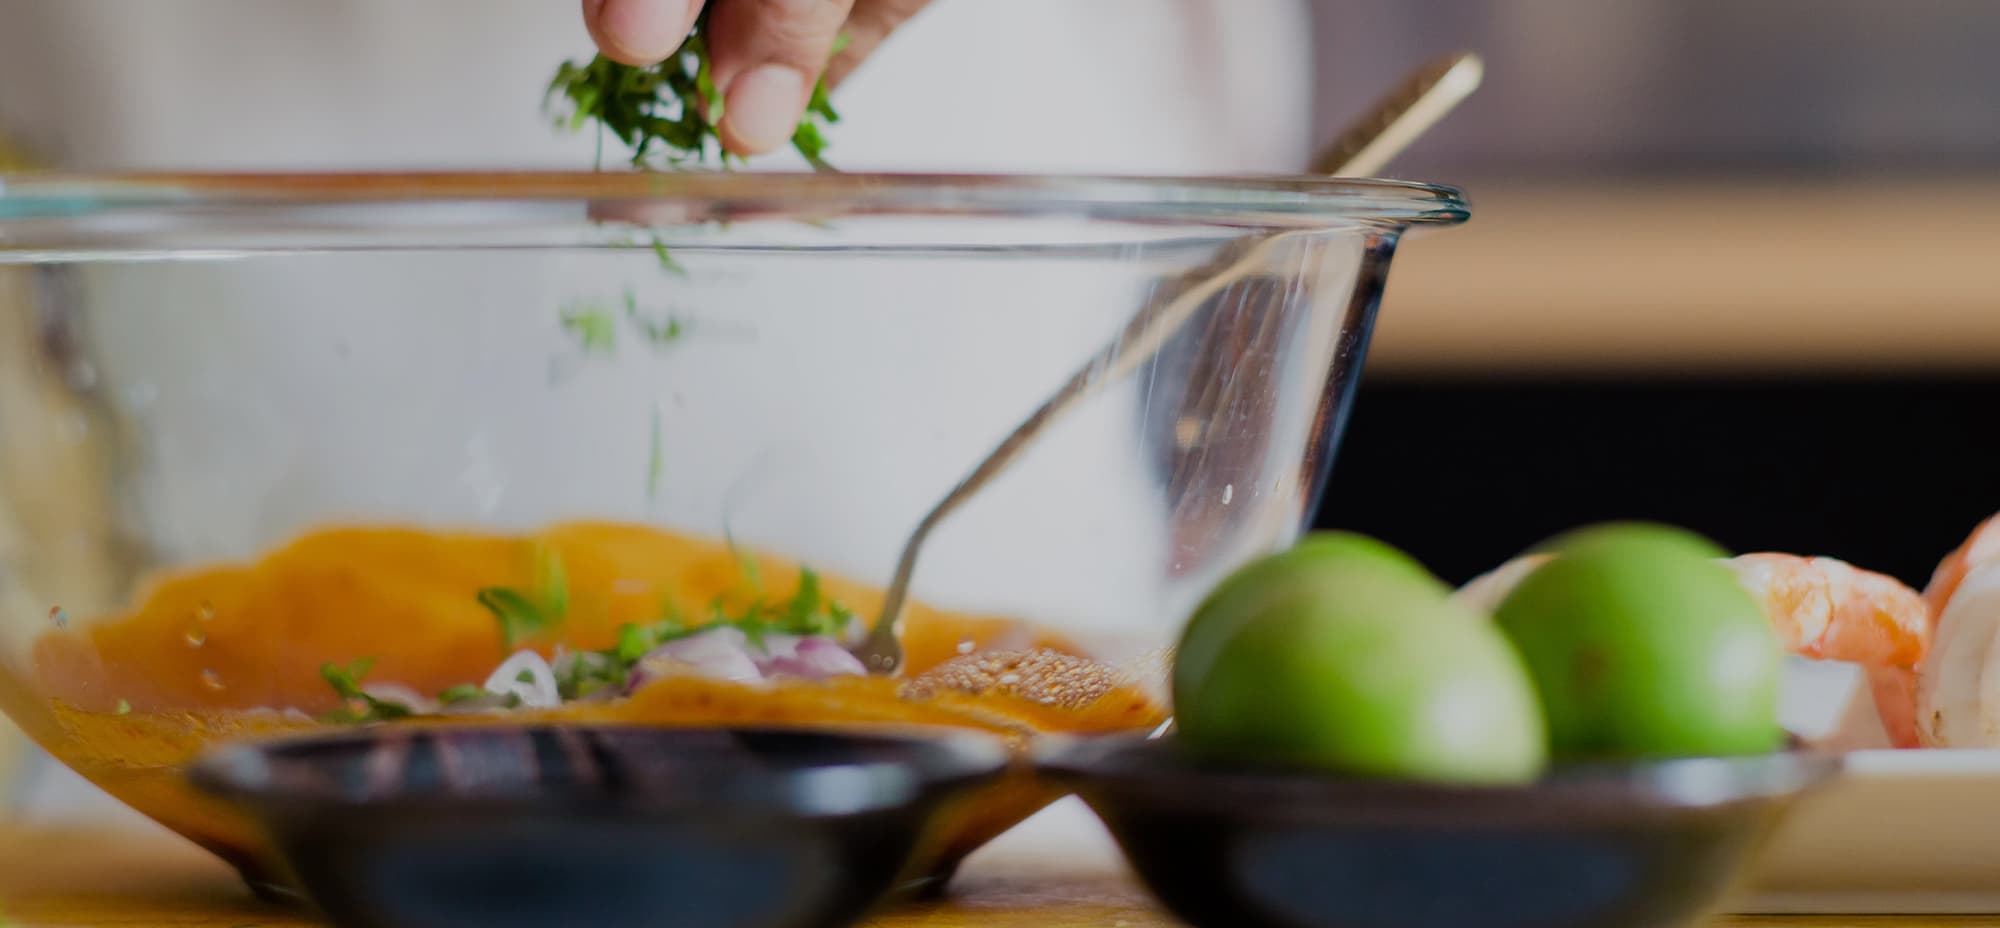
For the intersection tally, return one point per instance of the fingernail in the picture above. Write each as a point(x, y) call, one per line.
point(640, 31)
point(762, 108)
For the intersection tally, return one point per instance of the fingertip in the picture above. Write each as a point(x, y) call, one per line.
point(762, 108)
point(640, 33)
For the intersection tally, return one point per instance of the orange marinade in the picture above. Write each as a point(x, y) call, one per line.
point(129, 699)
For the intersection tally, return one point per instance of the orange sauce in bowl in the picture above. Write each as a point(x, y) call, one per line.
point(231, 652)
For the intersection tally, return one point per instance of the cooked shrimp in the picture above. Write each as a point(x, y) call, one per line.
point(1943, 702)
point(1956, 700)
point(1820, 607)
point(1980, 548)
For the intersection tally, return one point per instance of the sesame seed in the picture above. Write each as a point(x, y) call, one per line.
point(1045, 676)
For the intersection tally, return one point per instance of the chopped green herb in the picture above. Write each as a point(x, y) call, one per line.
point(523, 615)
point(582, 673)
point(659, 332)
point(633, 643)
point(551, 581)
point(124, 708)
point(745, 562)
point(464, 692)
point(594, 329)
point(667, 114)
point(808, 612)
point(667, 262)
point(750, 625)
point(656, 459)
point(519, 617)
point(361, 707)
point(801, 612)
point(347, 680)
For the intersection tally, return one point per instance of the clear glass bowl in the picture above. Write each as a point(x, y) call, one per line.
point(256, 427)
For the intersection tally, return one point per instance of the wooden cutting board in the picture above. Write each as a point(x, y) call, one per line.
point(63, 876)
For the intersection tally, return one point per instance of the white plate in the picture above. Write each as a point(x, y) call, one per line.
point(1900, 832)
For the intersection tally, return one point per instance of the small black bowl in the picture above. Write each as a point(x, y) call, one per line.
point(605, 826)
point(1627, 845)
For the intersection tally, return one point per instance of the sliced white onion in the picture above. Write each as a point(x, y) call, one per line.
point(777, 646)
point(537, 692)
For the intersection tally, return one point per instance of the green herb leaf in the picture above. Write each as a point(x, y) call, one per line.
point(523, 615)
point(656, 458)
point(801, 616)
point(595, 331)
point(745, 562)
point(361, 707)
point(666, 114)
point(124, 708)
point(464, 692)
point(843, 618)
point(671, 617)
point(659, 332)
point(667, 262)
point(633, 643)
point(518, 616)
point(753, 630)
point(551, 582)
point(347, 680)
point(582, 673)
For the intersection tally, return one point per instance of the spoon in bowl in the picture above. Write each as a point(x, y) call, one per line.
point(1415, 105)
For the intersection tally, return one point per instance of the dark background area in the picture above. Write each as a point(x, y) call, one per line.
point(1888, 473)
point(1886, 470)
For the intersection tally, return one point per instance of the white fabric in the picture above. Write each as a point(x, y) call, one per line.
point(1017, 85)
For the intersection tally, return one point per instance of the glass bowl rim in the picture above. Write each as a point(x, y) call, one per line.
point(1244, 201)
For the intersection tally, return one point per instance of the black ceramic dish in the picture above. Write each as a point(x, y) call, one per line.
point(1626, 845)
point(603, 826)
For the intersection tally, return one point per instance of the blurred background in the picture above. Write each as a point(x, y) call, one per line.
point(1732, 265)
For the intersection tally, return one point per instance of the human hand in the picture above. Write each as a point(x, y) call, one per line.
point(765, 55)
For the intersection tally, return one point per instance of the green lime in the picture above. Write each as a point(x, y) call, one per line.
point(1642, 645)
point(1320, 562)
point(1374, 675)
point(1667, 537)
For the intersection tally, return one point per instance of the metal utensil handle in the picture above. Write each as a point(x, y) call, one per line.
point(1140, 340)
point(1414, 106)
point(1406, 113)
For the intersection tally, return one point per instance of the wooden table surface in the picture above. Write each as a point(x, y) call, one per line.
point(61, 876)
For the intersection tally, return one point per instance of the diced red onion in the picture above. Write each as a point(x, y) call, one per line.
point(814, 658)
point(728, 654)
point(717, 654)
